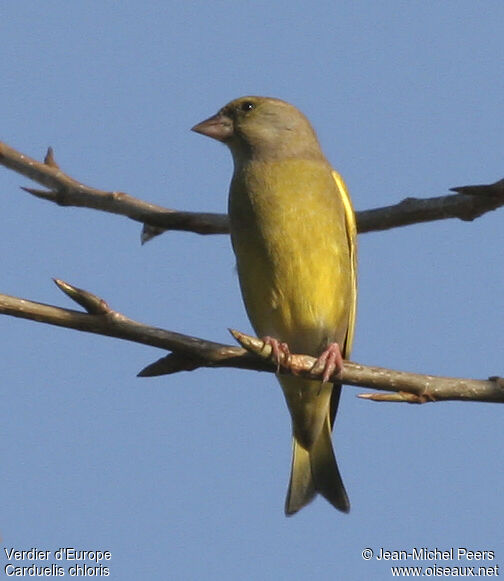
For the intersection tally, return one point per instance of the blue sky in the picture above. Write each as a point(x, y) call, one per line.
point(184, 477)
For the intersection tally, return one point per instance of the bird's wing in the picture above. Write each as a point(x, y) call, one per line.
point(351, 230)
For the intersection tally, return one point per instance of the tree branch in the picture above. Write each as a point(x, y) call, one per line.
point(189, 353)
point(469, 203)
point(66, 191)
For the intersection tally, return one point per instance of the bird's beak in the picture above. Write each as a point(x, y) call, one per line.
point(218, 127)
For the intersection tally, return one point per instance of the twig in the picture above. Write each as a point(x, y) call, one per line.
point(102, 320)
point(189, 353)
point(469, 203)
point(66, 191)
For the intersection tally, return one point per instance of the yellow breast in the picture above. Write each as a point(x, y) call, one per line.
point(289, 229)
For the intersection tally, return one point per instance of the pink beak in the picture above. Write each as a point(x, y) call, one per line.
point(218, 127)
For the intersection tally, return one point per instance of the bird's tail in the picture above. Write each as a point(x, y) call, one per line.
point(315, 471)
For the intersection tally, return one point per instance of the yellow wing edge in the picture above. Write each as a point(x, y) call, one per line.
point(351, 229)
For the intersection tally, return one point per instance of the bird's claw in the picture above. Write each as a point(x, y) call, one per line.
point(280, 352)
point(329, 363)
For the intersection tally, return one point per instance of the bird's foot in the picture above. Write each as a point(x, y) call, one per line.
point(280, 352)
point(330, 362)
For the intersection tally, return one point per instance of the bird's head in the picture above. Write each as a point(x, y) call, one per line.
point(262, 127)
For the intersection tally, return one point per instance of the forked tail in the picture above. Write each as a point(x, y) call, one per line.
point(315, 471)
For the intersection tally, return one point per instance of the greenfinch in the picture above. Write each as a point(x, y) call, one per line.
point(294, 236)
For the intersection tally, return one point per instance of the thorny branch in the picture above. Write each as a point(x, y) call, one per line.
point(189, 353)
point(468, 203)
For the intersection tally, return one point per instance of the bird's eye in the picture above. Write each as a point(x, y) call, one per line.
point(247, 106)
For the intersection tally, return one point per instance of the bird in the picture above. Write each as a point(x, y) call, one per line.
point(293, 232)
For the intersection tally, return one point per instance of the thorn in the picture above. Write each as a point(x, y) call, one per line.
point(253, 344)
point(272, 351)
point(94, 305)
point(159, 367)
point(49, 158)
point(150, 232)
point(495, 189)
point(44, 194)
point(400, 396)
point(171, 363)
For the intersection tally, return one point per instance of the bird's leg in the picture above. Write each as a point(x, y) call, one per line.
point(329, 362)
point(280, 352)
